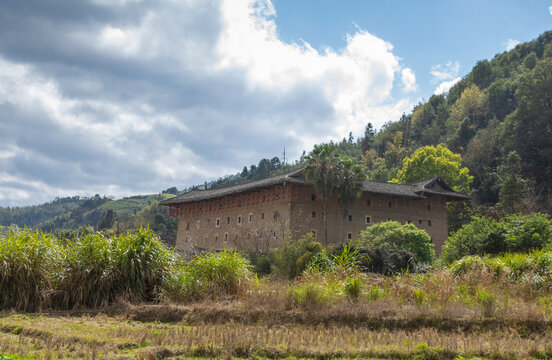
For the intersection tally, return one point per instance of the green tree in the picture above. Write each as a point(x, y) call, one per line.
point(368, 140)
point(107, 220)
point(320, 171)
point(430, 161)
point(349, 184)
point(481, 74)
point(512, 187)
point(472, 105)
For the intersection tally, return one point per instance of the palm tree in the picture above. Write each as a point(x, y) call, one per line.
point(349, 184)
point(320, 170)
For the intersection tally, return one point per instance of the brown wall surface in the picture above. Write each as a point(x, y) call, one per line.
point(292, 208)
point(428, 214)
point(269, 211)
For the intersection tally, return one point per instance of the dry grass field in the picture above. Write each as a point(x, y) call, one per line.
point(245, 329)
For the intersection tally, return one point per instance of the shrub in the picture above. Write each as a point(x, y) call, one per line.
point(211, 275)
point(353, 287)
point(222, 273)
point(262, 263)
point(525, 233)
point(487, 301)
point(394, 235)
point(309, 294)
point(28, 261)
point(490, 236)
point(386, 261)
point(375, 293)
point(533, 268)
point(293, 258)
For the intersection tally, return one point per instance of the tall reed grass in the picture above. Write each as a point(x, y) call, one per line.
point(98, 269)
point(212, 275)
point(27, 261)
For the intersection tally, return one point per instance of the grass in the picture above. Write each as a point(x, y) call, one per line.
point(156, 306)
point(101, 336)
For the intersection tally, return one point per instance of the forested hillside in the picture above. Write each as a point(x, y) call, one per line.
point(498, 117)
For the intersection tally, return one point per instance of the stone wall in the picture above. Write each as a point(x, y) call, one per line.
point(260, 219)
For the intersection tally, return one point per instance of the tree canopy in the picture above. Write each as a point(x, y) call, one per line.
point(431, 161)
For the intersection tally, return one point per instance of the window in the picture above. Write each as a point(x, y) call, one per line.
point(228, 220)
point(388, 219)
point(208, 221)
point(313, 233)
point(187, 226)
point(198, 224)
point(313, 197)
point(250, 217)
point(226, 237)
point(188, 239)
point(239, 219)
point(368, 202)
point(314, 214)
point(429, 223)
point(217, 224)
point(205, 240)
point(368, 219)
point(262, 216)
point(428, 207)
point(409, 221)
point(389, 204)
point(420, 222)
point(216, 239)
point(349, 236)
point(350, 217)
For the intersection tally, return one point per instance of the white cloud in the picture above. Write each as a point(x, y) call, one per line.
point(510, 44)
point(408, 79)
point(174, 93)
point(550, 9)
point(447, 71)
point(445, 86)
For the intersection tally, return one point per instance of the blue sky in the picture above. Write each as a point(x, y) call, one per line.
point(124, 97)
point(423, 33)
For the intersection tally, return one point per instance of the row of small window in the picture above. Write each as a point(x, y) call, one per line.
point(390, 204)
point(189, 239)
point(238, 220)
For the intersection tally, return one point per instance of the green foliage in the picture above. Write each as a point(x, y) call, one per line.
point(430, 161)
point(513, 185)
point(321, 172)
point(394, 235)
point(208, 276)
point(353, 287)
point(224, 272)
point(533, 268)
point(490, 236)
point(294, 257)
point(27, 262)
point(98, 269)
point(349, 185)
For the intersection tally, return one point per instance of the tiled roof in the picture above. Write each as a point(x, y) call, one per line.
point(294, 177)
point(417, 189)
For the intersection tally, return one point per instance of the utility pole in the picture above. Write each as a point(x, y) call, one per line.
point(284, 156)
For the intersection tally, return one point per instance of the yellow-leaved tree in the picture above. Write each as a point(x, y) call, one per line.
point(430, 161)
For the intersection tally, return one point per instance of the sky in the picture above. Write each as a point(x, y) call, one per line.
point(127, 97)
